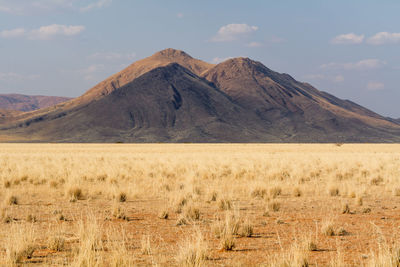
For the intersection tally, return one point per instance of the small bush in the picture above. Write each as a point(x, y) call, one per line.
point(12, 200)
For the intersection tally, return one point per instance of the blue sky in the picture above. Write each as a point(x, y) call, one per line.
point(64, 47)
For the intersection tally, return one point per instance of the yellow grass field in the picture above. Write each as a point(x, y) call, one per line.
point(200, 205)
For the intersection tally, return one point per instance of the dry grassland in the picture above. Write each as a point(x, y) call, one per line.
point(200, 205)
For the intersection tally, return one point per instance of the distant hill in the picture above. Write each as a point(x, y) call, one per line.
point(28, 102)
point(172, 97)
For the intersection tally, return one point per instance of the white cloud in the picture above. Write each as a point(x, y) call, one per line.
point(276, 40)
point(375, 86)
point(12, 76)
point(349, 38)
point(384, 38)
point(322, 77)
point(254, 44)
point(232, 32)
point(90, 72)
point(15, 33)
point(338, 79)
point(98, 4)
point(44, 32)
point(218, 60)
point(366, 64)
point(47, 32)
point(112, 56)
point(24, 7)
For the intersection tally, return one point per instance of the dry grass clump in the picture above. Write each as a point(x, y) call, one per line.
point(20, 245)
point(181, 221)
point(164, 214)
point(396, 192)
point(119, 212)
point(345, 209)
point(274, 206)
point(225, 204)
point(31, 218)
point(377, 180)
point(328, 228)
point(56, 243)
point(213, 196)
point(247, 229)
point(296, 256)
point(192, 213)
point(193, 252)
point(90, 242)
point(259, 192)
point(228, 242)
point(297, 192)
point(121, 197)
point(275, 191)
point(334, 191)
point(145, 247)
point(75, 193)
point(12, 200)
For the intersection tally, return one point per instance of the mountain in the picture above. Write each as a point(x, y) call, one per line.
point(28, 102)
point(301, 111)
point(140, 67)
point(172, 97)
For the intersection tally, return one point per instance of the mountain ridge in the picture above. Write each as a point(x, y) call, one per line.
point(22, 102)
point(238, 100)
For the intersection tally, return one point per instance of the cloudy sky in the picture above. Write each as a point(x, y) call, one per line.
point(64, 47)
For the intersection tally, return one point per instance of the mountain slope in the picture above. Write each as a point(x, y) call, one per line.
point(169, 104)
point(297, 108)
point(29, 102)
point(172, 97)
point(140, 67)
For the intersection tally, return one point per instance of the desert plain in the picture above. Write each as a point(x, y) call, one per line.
point(200, 204)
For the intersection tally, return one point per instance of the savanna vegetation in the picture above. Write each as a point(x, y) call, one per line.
point(200, 205)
